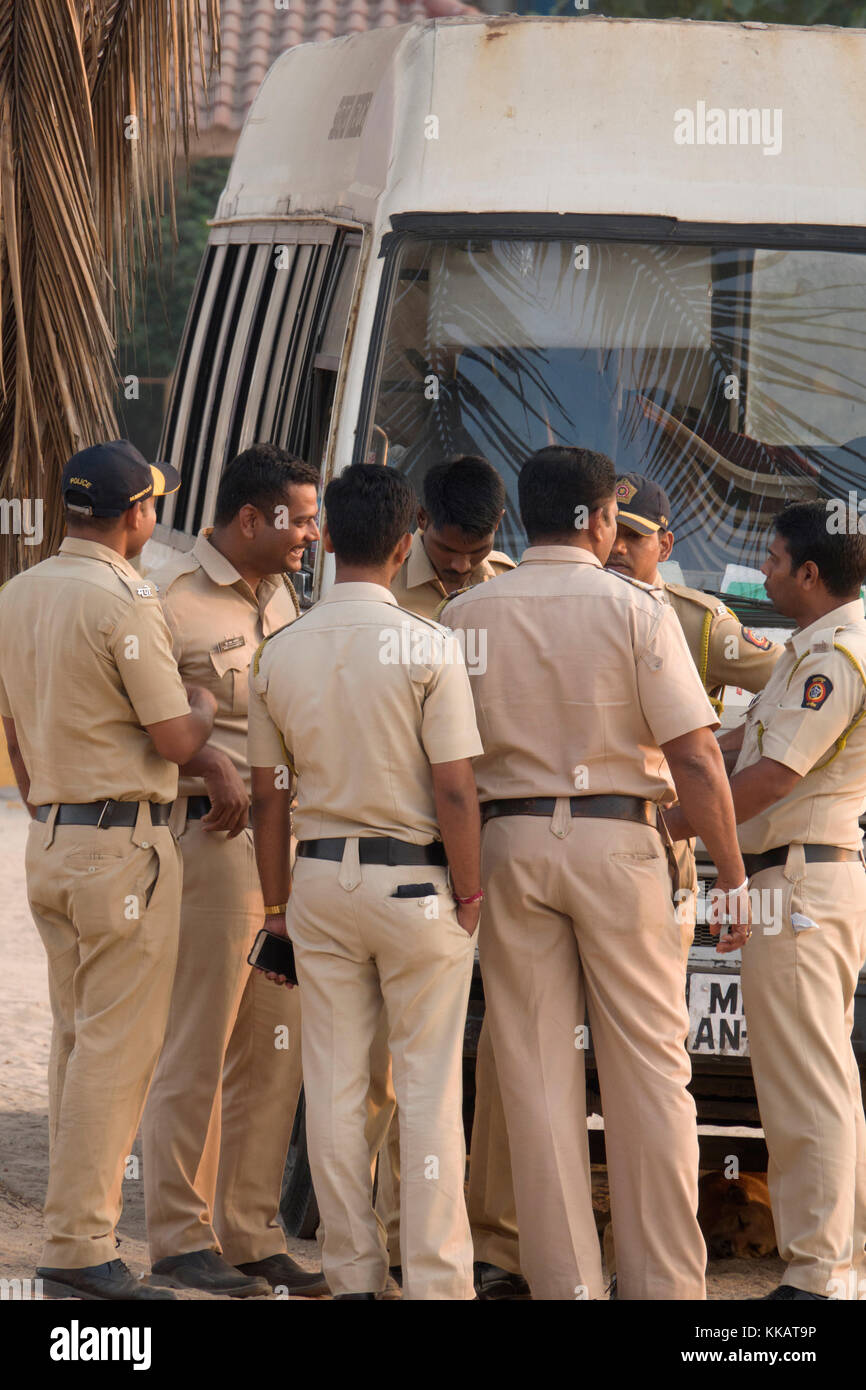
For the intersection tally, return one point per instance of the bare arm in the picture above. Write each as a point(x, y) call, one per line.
point(178, 740)
point(730, 742)
point(271, 809)
point(225, 787)
point(22, 776)
point(457, 811)
point(758, 786)
point(698, 770)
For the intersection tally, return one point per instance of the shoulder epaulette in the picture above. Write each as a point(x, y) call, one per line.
point(138, 586)
point(270, 637)
point(652, 589)
point(431, 622)
point(708, 601)
point(163, 575)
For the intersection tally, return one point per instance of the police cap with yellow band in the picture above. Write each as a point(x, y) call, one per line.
point(641, 504)
point(108, 479)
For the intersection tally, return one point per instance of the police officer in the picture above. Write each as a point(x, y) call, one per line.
point(798, 786)
point(96, 718)
point(725, 652)
point(589, 708)
point(219, 1115)
point(463, 502)
point(371, 705)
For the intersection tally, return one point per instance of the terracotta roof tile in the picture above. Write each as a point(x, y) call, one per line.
point(255, 33)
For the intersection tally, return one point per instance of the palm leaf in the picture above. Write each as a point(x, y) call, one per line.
point(78, 203)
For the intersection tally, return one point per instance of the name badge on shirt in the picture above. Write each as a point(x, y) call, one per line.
point(230, 643)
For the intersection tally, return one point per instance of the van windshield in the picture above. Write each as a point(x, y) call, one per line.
point(734, 377)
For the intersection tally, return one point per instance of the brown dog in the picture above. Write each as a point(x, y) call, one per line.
point(734, 1216)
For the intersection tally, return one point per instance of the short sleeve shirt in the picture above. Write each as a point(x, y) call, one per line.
point(85, 663)
point(724, 651)
point(811, 717)
point(216, 622)
point(578, 675)
point(359, 697)
point(418, 587)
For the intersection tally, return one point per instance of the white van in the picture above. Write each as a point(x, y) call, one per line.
point(489, 234)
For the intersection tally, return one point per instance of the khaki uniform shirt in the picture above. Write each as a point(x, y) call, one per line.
point(810, 717)
point(85, 662)
point(586, 675)
point(725, 652)
point(360, 697)
point(418, 587)
point(216, 624)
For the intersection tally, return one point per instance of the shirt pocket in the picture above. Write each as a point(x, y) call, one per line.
point(231, 671)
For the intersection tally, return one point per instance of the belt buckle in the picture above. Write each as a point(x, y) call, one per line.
point(102, 814)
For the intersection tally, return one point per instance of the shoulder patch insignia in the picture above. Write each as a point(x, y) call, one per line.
point(763, 643)
point(816, 691)
point(144, 591)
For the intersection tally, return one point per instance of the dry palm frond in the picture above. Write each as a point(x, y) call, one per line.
point(77, 204)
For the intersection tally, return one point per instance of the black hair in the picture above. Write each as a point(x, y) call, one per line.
point(805, 527)
point(80, 522)
point(554, 482)
point(368, 509)
point(466, 492)
point(259, 477)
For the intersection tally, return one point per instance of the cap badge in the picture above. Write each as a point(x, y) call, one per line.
point(624, 490)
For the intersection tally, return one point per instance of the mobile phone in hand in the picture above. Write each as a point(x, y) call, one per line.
point(275, 954)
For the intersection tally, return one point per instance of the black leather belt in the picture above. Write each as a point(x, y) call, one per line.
point(815, 854)
point(603, 807)
point(104, 814)
point(197, 806)
point(379, 849)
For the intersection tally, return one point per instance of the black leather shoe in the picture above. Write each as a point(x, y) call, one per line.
point(785, 1293)
point(208, 1271)
point(344, 1297)
point(107, 1282)
point(491, 1282)
point(282, 1272)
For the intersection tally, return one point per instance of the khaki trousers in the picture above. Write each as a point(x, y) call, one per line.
point(579, 914)
point(357, 947)
point(492, 1208)
point(106, 904)
point(219, 1115)
point(384, 1130)
point(798, 994)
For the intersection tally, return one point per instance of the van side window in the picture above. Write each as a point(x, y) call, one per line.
point(260, 354)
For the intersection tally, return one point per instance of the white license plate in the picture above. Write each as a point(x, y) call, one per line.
point(717, 1024)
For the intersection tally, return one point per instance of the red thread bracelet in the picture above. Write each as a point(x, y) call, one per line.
point(475, 898)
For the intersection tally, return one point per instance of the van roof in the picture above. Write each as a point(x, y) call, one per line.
point(533, 114)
